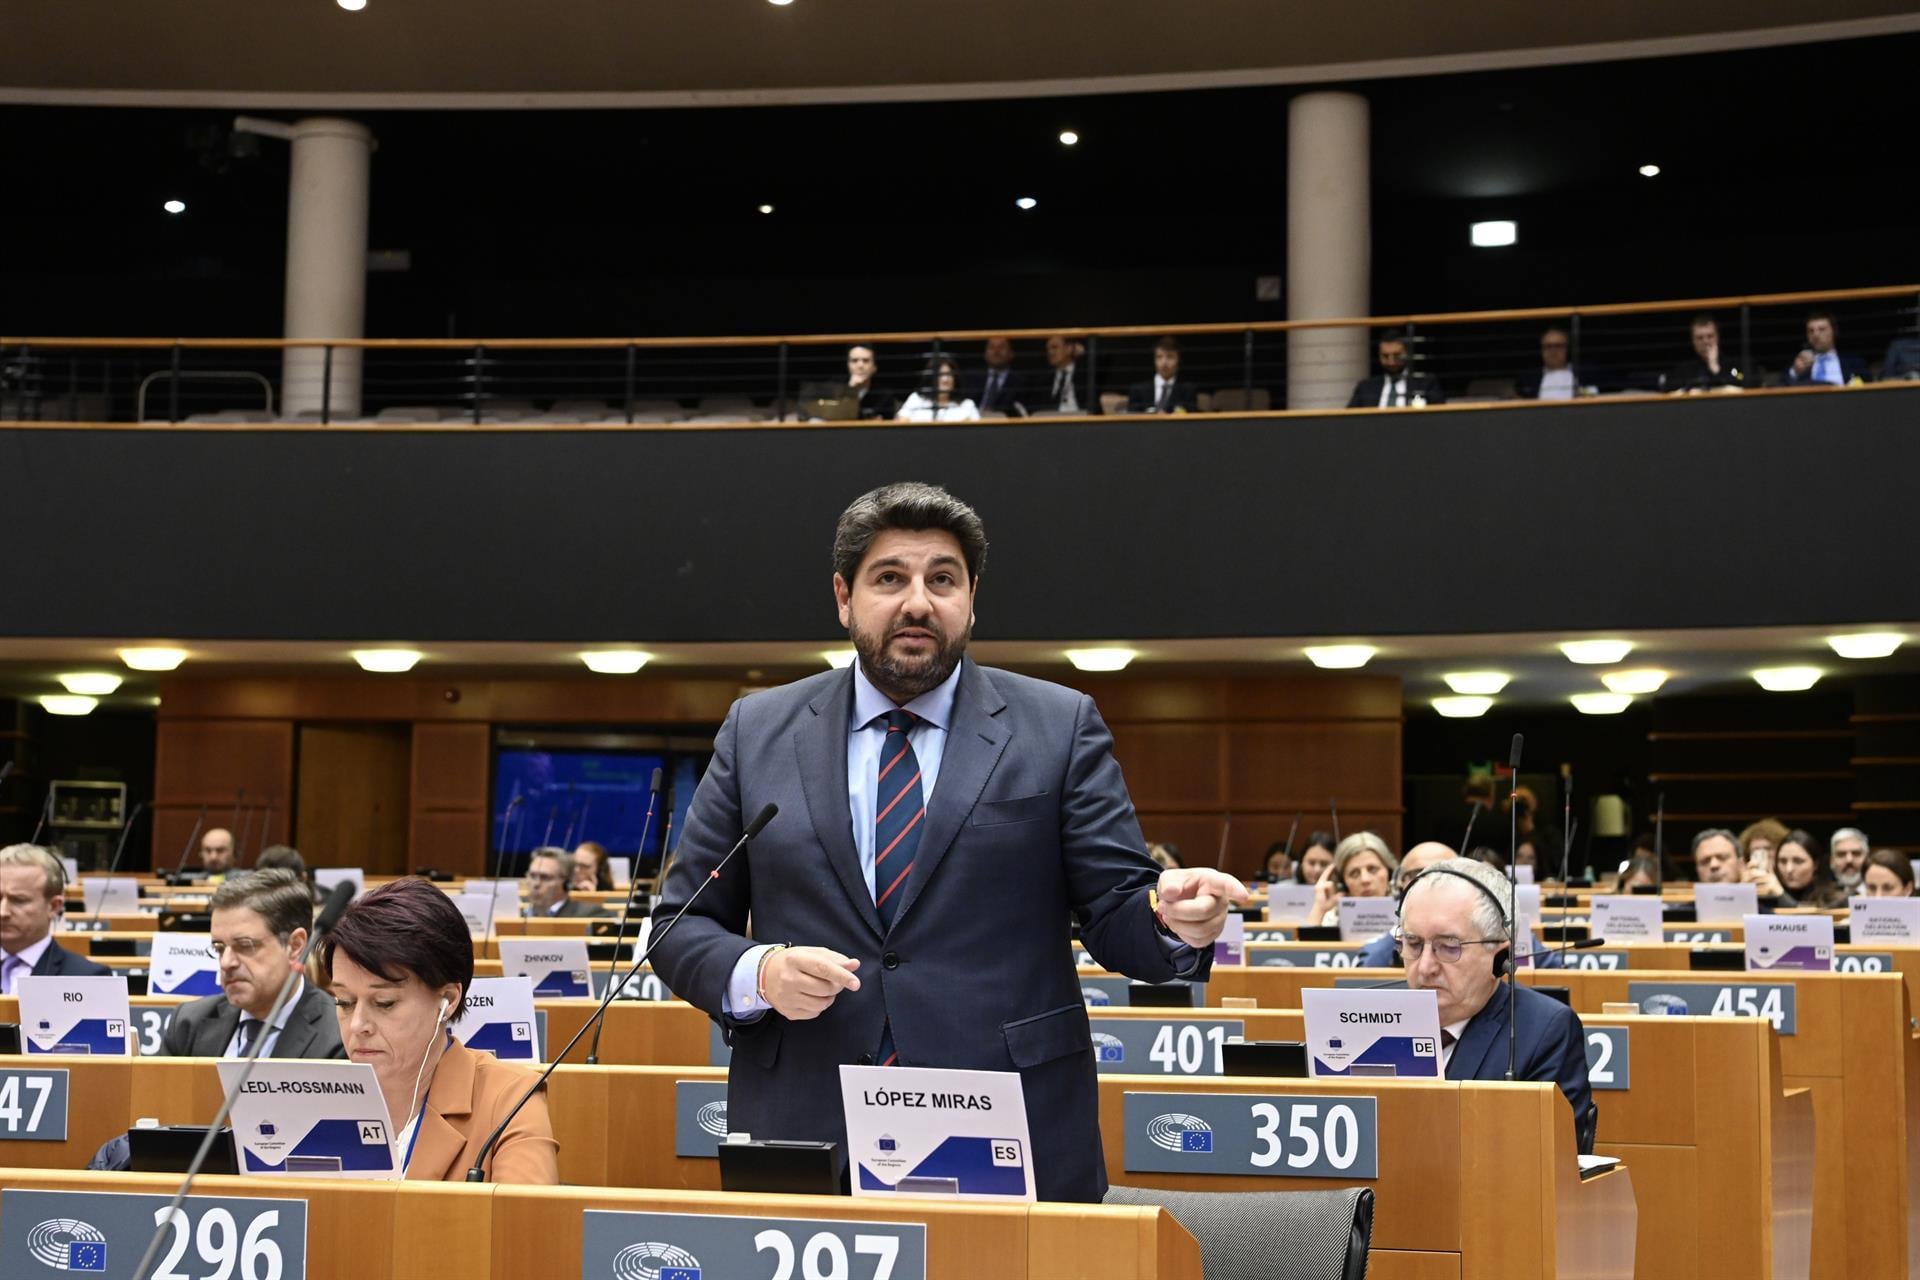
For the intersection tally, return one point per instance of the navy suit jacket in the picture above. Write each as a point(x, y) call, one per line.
point(1550, 1045)
point(1851, 367)
point(57, 962)
point(1029, 824)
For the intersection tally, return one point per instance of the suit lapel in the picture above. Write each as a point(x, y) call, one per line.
point(1486, 1033)
point(298, 1035)
point(224, 1022)
point(821, 745)
point(975, 741)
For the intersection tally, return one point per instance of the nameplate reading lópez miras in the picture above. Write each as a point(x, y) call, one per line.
point(103, 1233)
point(923, 1131)
point(720, 1246)
point(1372, 1033)
point(315, 1119)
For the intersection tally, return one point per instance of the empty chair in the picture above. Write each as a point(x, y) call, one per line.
point(1270, 1235)
point(1241, 400)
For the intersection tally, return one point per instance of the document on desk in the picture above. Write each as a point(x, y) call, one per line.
point(926, 1131)
point(1594, 1166)
point(313, 1119)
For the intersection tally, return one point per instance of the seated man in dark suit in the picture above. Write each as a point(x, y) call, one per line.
point(999, 388)
point(1556, 378)
point(1395, 386)
point(1060, 394)
point(1453, 933)
point(33, 887)
point(861, 386)
point(1820, 361)
point(1166, 391)
point(1902, 363)
point(260, 924)
point(1711, 369)
point(549, 873)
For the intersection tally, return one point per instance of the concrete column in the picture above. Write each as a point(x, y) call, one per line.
point(1329, 245)
point(326, 261)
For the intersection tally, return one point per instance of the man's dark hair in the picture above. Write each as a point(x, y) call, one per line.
point(283, 857)
point(406, 926)
point(907, 505)
point(1168, 343)
point(1704, 319)
point(1823, 315)
point(280, 898)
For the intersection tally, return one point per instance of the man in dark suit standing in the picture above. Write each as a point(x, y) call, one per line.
point(1453, 937)
point(260, 924)
point(1820, 362)
point(940, 824)
point(1396, 386)
point(549, 877)
point(33, 886)
point(1000, 388)
point(1166, 391)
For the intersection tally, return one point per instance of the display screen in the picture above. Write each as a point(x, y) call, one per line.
point(566, 797)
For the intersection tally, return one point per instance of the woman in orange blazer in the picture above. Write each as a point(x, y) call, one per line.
point(401, 960)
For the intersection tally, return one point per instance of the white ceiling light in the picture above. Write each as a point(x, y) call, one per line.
point(780, 3)
point(1596, 651)
point(1476, 682)
point(1644, 680)
point(68, 704)
point(1340, 657)
point(175, 206)
point(1025, 202)
point(766, 208)
point(1866, 644)
point(1494, 235)
point(96, 684)
point(1601, 704)
point(387, 661)
point(1101, 659)
point(616, 662)
point(1462, 708)
point(1649, 170)
point(839, 658)
point(1069, 138)
point(1786, 679)
point(352, 6)
point(153, 658)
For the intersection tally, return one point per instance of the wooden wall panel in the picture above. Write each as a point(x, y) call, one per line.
point(455, 842)
point(449, 808)
point(1297, 766)
point(353, 787)
point(210, 762)
point(1171, 766)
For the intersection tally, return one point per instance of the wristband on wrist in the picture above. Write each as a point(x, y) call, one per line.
point(760, 971)
point(1159, 919)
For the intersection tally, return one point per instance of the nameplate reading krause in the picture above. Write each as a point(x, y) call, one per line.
point(311, 1118)
point(926, 1131)
point(104, 1233)
point(1789, 942)
point(1371, 1033)
point(721, 1246)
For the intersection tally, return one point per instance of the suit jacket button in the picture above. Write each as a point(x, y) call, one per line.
point(890, 960)
point(866, 1059)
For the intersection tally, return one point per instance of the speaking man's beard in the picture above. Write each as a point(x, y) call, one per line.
point(905, 678)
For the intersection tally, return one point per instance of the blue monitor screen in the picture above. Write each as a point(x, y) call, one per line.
point(570, 796)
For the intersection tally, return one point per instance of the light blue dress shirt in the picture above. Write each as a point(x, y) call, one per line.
point(1826, 368)
point(865, 735)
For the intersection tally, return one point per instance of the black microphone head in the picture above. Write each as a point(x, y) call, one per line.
point(335, 905)
point(1513, 760)
point(761, 819)
point(654, 786)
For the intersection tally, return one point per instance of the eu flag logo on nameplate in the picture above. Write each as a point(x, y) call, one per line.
point(680, 1273)
point(889, 1144)
point(268, 1130)
point(86, 1255)
point(1196, 1140)
point(1333, 1044)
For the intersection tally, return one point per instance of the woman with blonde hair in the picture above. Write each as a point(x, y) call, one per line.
point(1363, 867)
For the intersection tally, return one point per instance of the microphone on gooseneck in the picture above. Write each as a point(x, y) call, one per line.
point(1226, 830)
point(1513, 983)
point(478, 1173)
point(626, 908)
point(46, 811)
point(266, 820)
point(330, 913)
point(243, 837)
point(1466, 841)
point(119, 850)
point(173, 877)
point(499, 864)
point(1659, 835)
point(1333, 807)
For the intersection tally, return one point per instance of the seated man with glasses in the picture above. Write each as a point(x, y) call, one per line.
point(1453, 935)
point(549, 873)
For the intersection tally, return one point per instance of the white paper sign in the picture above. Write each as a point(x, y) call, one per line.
point(1354, 1033)
point(1289, 903)
point(1724, 903)
point(621, 869)
point(1522, 873)
point(1885, 919)
point(1626, 918)
point(558, 966)
point(312, 1119)
point(924, 1131)
point(506, 894)
point(1231, 946)
point(74, 1015)
point(478, 910)
point(72, 867)
point(1526, 899)
point(112, 895)
point(1364, 919)
point(183, 964)
point(1528, 946)
point(1789, 942)
point(327, 877)
point(499, 1018)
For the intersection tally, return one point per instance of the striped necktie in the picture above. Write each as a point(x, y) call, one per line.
point(897, 823)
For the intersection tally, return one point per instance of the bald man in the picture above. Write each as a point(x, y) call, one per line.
point(216, 853)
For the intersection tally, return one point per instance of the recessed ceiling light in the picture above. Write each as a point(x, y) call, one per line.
point(153, 658)
point(1601, 704)
point(175, 206)
point(68, 704)
point(1068, 138)
point(1101, 659)
point(1494, 235)
point(1786, 679)
point(1476, 682)
point(1649, 170)
point(1590, 652)
point(780, 3)
point(1644, 680)
point(1462, 708)
point(838, 658)
point(352, 6)
point(616, 662)
point(94, 683)
point(1340, 657)
point(387, 661)
point(1866, 644)
point(1025, 202)
point(766, 208)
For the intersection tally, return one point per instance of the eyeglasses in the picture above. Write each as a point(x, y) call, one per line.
point(241, 946)
point(542, 877)
point(1447, 950)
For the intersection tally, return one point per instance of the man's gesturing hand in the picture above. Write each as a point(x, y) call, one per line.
point(1194, 902)
point(800, 982)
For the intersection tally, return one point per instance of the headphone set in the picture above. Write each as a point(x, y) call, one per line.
point(1500, 957)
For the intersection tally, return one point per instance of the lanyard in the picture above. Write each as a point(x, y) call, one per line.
point(406, 1163)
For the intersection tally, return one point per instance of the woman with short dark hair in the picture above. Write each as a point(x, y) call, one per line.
point(1888, 875)
point(400, 961)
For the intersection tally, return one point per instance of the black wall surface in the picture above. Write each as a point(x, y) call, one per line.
point(1722, 512)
